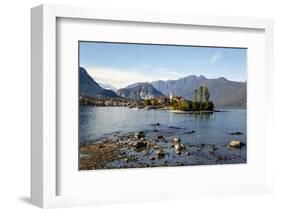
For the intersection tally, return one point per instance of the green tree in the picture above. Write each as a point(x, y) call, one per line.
point(211, 105)
point(189, 105)
point(200, 94)
point(174, 104)
point(183, 106)
point(204, 106)
point(167, 102)
point(195, 95)
point(147, 102)
point(206, 94)
point(196, 106)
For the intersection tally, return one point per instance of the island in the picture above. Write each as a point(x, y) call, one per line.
point(201, 102)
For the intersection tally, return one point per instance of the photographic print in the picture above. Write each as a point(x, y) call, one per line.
point(152, 105)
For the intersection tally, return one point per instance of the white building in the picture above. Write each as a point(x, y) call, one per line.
point(171, 96)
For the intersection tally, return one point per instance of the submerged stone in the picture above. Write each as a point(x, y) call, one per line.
point(190, 132)
point(236, 133)
point(159, 136)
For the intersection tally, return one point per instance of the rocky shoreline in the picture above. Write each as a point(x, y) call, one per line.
point(156, 148)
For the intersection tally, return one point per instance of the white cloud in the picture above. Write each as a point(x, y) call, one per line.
point(215, 57)
point(122, 78)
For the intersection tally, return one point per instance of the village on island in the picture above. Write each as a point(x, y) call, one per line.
point(201, 102)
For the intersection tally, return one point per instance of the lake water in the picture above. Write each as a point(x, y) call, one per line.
point(210, 128)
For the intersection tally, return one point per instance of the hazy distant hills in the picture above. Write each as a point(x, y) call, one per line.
point(89, 87)
point(223, 92)
point(107, 86)
point(139, 91)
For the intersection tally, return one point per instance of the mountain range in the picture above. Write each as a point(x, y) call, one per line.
point(223, 92)
point(139, 91)
point(89, 87)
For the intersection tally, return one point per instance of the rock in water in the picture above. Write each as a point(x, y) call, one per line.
point(190, 132)
point(179, 148)
point(236, 133)
point(140, 144)
point(160, 153)
point(160, 137)
point(178, 152)
point(139, 135)
point(234, 144)
point(177, 140)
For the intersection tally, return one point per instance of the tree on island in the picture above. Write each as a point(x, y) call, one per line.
point(201, 101)
point(200, 94)
point(195, 95)
point(147, 102)
point(206, 94)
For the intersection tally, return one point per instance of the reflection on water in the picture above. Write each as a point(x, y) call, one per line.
point(204, 116)
point(213, 128)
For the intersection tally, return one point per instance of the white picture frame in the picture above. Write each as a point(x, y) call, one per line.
point(44, 149)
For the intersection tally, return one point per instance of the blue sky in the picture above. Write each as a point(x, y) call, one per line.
point(124, 64)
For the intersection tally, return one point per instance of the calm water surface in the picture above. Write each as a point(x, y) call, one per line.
point(212, 128)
